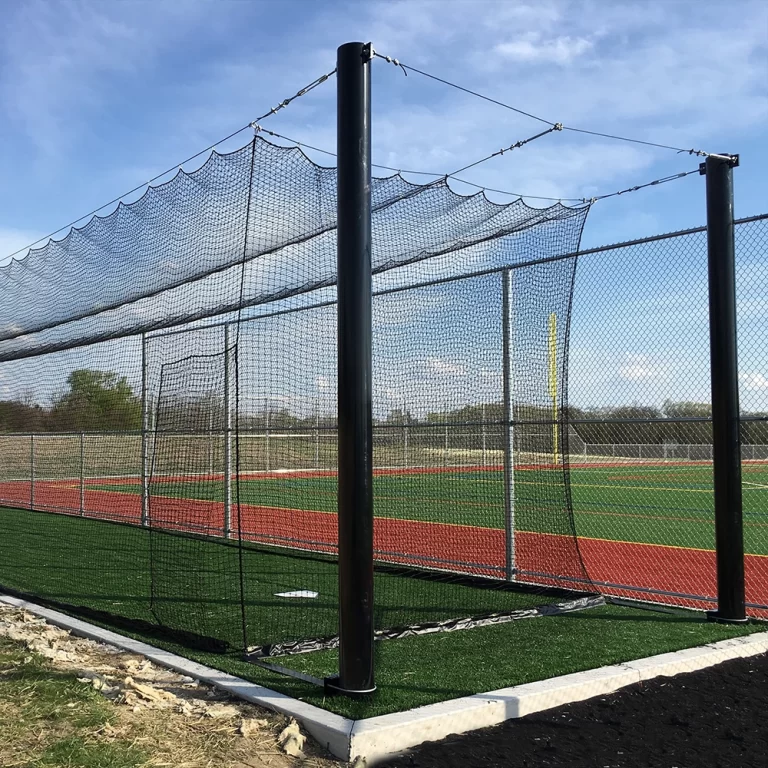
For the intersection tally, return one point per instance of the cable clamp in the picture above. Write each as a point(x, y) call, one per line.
point(391, 60)
point(732, 160)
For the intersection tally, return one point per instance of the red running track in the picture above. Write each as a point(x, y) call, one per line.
point(641, 571)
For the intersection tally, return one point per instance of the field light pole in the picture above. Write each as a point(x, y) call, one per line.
point(355, 460)
point(726, 438)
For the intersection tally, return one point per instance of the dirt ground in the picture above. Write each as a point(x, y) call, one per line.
point(715, 718)
point(64, 696)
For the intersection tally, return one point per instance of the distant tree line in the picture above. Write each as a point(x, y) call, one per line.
point(614, 425)
point(93, 401)
point(104, 401)
point(649, 425)
point(202, 414)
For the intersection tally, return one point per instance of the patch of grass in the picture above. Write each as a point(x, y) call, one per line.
point(422, 670)
point(75, 752)
point(107, 567)
point(45, 695)
point(47, 717)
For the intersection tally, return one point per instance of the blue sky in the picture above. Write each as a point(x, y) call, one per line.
point(97, 97)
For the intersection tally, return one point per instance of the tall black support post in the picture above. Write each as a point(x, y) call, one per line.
point(726, 438)
point(355, 495)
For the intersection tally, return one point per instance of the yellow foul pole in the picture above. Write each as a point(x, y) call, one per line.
point(553, 381)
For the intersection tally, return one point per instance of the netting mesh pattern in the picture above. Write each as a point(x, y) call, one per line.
point(640, 416)
point(195, 573)
point(246, 228)
point(441, 511)
point(186, 478)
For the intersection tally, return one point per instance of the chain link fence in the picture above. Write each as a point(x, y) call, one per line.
point(639, 416)
point(631, 418)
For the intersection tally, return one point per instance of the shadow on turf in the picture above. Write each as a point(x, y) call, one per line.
point(139, 626)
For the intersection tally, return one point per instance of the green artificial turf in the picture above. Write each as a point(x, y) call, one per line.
point(422, 670)
point(109, 568)
point(669, 505)
point(194, 582)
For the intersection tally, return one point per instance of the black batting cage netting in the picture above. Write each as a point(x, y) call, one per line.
point(168, 431)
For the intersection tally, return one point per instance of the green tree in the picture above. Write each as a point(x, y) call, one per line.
point(17, 416)
point(96, 400)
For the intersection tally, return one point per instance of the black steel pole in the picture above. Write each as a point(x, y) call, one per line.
point(726, 438)
point(355, 494)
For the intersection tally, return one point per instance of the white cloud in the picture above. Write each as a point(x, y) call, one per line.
point(754, 381)
point(533, 47)
point(585, 63)
point(638, 367)
point(445, 367)
point(617, 80)
point(60, 59)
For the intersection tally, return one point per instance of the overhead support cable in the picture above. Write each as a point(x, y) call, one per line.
point(518, 195)
point(407, 68)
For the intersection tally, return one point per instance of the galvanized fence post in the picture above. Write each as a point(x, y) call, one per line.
point(82, 474)
point(227, 439)
point(266, 435)
point(145, 469)
point(509, 433)
point(32, 471)
point(210, 440)
point(406, 458)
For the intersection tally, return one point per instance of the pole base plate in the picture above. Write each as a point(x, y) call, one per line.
point(333, 687)
point(715, 617)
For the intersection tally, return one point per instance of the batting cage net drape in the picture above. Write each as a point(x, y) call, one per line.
point(168, 442)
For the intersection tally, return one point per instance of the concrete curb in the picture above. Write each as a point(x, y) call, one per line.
point(379, 737)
